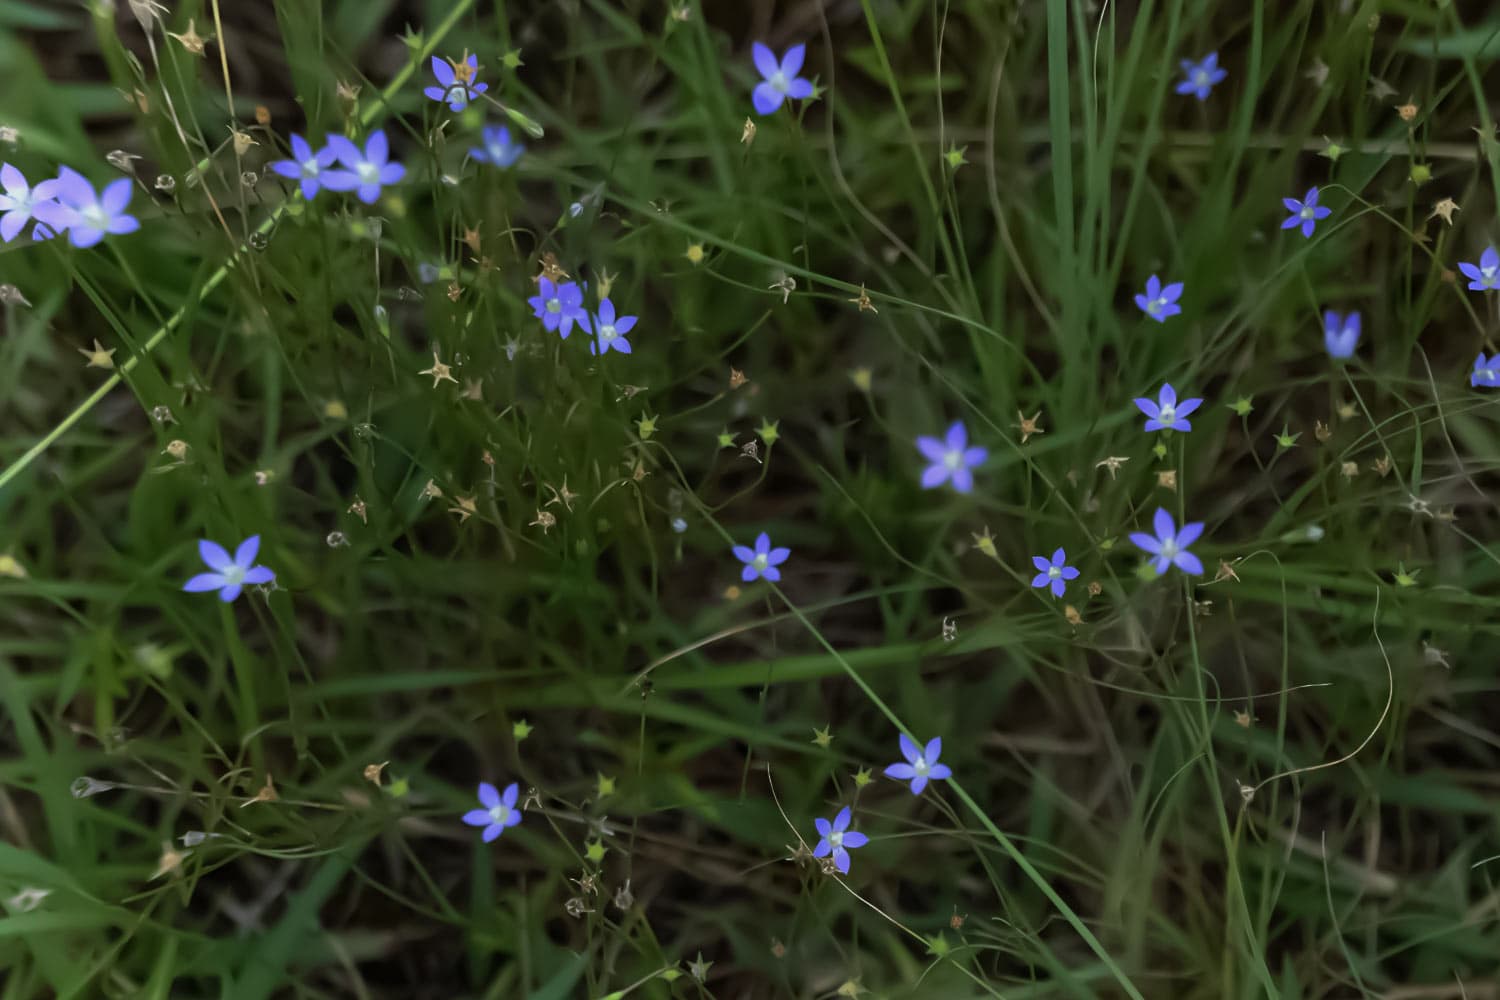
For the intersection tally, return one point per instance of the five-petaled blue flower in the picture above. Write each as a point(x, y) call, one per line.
point(1340, 333)
point(921, 765)
point(499, 810)
point(951, 459)
point(229, 576)
point(1160, 301)
point(780, 80)
point(1485, 276)
point(611, 330)
point(20, 203)
point(838, 839)
point(1054, 572)
point(762, 560)
point(458, 87)
point(1167, 413)
point(560, 306)
point(1305, 213)
point(497, 149)
point(1169, 547)
point(1486, 373)
point(368, 171)
point(87, 215)
point(1201, 76)
point(306, 165)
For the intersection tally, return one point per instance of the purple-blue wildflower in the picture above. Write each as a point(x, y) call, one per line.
point(1053, 572)
point(837, 839)
point(1305, 213)
point(559, 306)
point(1160, 301)
point(921, 765)
point(499, 812)
point(496, 147)
point(366, 172)
point(1201, 76)
point(1169, 547)
point(779, 80)
point(457, 88)
point(21, 203)
point(951, 458)
point(229, 575)
point(1340, 334)
point(1486, 372)
point(1167, 413)
point(611, 330)
point(762, 560)
point(306, 165)
point(1484, 276)
point(87, 215)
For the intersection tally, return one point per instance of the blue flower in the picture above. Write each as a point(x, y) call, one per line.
point(21, 202)
point(1160, 301)
point(1486, 373)
point(457, 88)
point(1340, 334)
point(1201, 77)
point(1052, 573)
point(499, 810)
point(229, 576)
point(838, 840)
point(1167, 413)
point(610, 330)
point(560, 306)
point(1485, 277)
point(1169, 547)
point(498, 149)
point(1305, 213)
point(921, 766)
point(87, 215)
point(951, 459)
point(366, 171)
point(762, 560)
point(306, 165)
point(778, 81)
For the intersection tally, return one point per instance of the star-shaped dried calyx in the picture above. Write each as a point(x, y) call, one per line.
point(1112, 463)
point(1444, 210)
point(464, 507)
point(473, 389)
point(99, 357)
point(863, 301)
point(563, 496)
point(170, 862)
point(190, 39)
point(544, 520)
point(438, 371)
point(606, 282)
point(267, 793)
point(1028, 425)
point(551, 270)
point(747, 134)
point(823, 737)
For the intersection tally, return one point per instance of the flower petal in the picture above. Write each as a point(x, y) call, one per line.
point(934, 475)
point(488, 795)
point(799, 89)
point(766, 98)
point(442, 72)
point(229, 593)
point(258, 574)
point(918, 785)
point(932, 449)
point(213, 554)
point(963, 480)
point(1188, 563)
point(957, 438)
point(940, 771)
point(777, 556)
point(765, 60)
point(821, 851)
point(116, 196)
point(841, 821)
point(855, 839)
point(934, 750)
point(492, 831)
point(1148, 407)
point(1162, 523)
point(841, 860)
point(1041, 563)
point(901, 772)
point(791, 63)
point(1189, 534)
point(1145, 542)
point(1168, 396)
point(477, 817)
point(824, 827)
point(244, 556)
point(511, 793)
point(909, 748)
point(204, 582)
point(744, 553)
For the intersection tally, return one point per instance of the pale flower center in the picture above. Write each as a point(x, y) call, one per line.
point(1054, 572)
point(760, 561)
point(554, 305)
point(1168, 414)
point(953, 459)
point(1156, 305)
point(920, 766)
point(1201, 78)
point(836, 840)
point(778, 81)
point(369, 173)
point(1489, 272)
point(310, 167)
point(607, 333)
point(1169, 548)
point(95, 216)
point(233, 576)
point(500, 813)
point(1307, 212)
